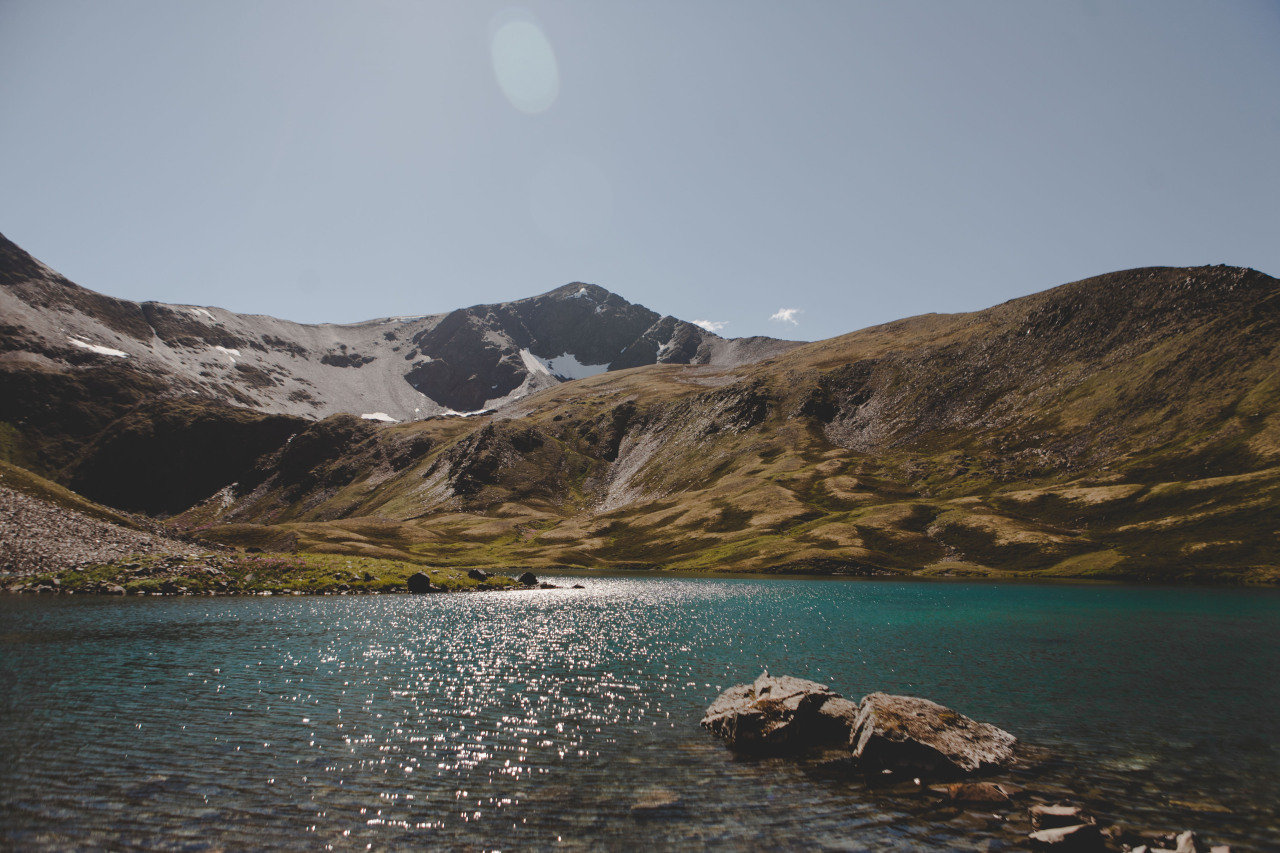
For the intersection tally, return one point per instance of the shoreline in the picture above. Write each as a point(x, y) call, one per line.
point(237, 573)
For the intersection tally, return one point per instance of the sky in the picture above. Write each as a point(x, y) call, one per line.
point(798, 169)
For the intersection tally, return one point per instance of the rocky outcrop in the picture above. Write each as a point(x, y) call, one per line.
point(780, 713)
point(909, 734)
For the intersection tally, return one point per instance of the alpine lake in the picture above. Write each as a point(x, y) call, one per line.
point(567, 719)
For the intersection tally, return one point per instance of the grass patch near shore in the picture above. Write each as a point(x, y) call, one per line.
point(259, 573)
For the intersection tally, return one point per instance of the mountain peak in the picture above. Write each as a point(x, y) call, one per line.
point(404, 368)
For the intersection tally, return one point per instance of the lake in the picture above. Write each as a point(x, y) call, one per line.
point(540, 720)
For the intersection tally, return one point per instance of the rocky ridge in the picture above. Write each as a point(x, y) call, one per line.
point(390, 369)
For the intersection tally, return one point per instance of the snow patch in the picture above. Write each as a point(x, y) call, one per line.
point(565, 366)
point(100, 350)
point(200, 312)
point(232, 354)
point(450, 413)
point(581, 294)
point(379, 416)
point(534, 364)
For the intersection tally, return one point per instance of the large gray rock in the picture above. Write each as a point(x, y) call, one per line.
point(780, 713)
point(420, 582)
point(909, 734)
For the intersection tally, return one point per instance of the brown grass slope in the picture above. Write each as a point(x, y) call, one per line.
point(1121, 426)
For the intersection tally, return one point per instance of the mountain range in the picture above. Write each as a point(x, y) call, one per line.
point(1124, 426)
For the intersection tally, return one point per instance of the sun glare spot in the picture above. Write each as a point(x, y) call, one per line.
point(525, 65)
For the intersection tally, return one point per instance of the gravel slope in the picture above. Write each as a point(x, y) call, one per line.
point(38, 536)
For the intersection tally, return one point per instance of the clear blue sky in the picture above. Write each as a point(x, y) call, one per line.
point(855, 162)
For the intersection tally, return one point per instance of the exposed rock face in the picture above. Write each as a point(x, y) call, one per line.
point(778, 713)
point(529, 579)
point(907, 733)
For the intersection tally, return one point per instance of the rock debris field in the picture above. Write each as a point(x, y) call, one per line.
point(42, 537)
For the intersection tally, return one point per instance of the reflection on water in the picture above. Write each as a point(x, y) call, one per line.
point(569, 718)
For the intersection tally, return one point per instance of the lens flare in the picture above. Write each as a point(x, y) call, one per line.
point(525, 66)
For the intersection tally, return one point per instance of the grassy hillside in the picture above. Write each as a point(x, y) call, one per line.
point(1126, 426)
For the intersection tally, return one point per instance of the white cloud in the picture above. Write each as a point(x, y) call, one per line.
point(786, 315)
point(711, 325)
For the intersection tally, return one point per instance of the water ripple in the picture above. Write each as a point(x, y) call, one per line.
point(568, 719)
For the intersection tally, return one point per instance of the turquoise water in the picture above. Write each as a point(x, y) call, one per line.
point(539, 720)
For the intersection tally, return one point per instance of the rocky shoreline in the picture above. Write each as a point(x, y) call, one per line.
point(253, 573)
point(924, 749)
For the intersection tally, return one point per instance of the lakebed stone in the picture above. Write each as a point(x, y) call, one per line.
point(1083, 837)
point(980, 793)
point(1046, 816)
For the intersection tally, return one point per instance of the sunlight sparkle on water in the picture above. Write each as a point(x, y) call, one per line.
point(542, 719)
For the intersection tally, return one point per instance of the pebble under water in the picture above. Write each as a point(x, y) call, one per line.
point(568, 719)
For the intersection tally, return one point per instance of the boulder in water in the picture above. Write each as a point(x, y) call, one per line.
point(780, 713)
point(910, 734)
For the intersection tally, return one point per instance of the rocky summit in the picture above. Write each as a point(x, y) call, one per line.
point(390, 369)
point(1125, 426)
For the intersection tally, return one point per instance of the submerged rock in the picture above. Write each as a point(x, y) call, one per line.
point(778, 713)
point(1187, 842)
point(654, 801)
point(1084, 837)
point(907, 733)
point(1051, 817)
point(980, 793)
